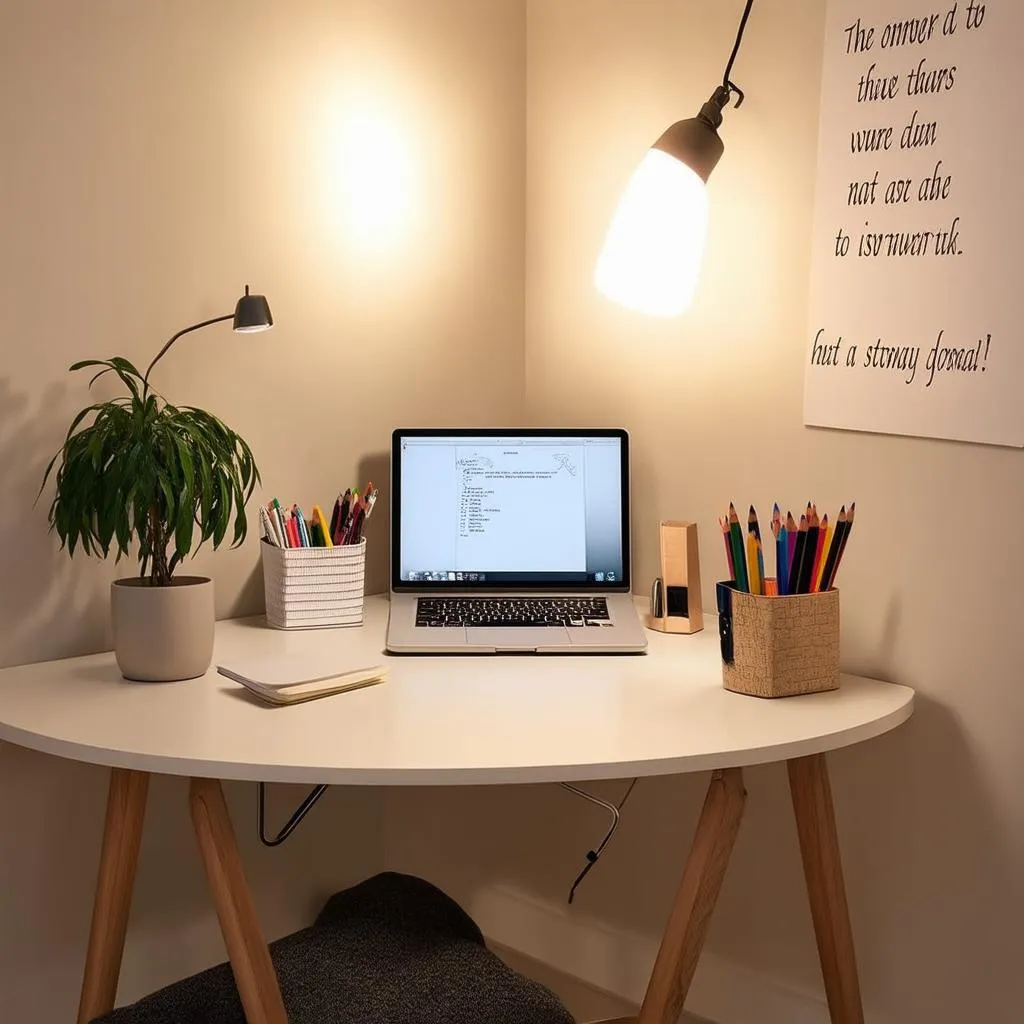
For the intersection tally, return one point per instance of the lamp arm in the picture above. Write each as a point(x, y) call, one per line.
point(162, 352)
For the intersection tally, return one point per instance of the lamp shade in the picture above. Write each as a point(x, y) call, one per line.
point(655, 244)
point(252, 313)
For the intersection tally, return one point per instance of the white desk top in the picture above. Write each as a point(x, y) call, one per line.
point(437, 720)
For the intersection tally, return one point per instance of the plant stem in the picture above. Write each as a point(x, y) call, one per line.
point(159, 575)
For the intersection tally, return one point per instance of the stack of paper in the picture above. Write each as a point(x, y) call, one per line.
point(290, 680)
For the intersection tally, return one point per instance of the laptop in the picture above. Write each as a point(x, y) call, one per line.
point(511, 541)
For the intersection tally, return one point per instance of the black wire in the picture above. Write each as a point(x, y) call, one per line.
point(736, 46)
point(592, 855)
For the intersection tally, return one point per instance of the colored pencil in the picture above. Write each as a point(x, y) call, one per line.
point(782, 559)
point(828, 570)
point(771, 587)
point(752, 562)
point(842, 546)
point(805, 577)
point(724, 523)
point(824, 534)
point(796, 570)
point(753, 526)
point(737, 550)
point(791, 534)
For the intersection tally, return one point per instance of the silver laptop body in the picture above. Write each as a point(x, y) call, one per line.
point(511, 541)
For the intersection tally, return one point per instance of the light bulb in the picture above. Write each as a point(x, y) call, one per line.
point(652, 254)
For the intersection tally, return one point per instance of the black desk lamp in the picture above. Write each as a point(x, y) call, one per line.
point(652, 254)
point(252, 313)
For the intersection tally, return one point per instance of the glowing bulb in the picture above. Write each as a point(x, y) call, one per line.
point(652, 255)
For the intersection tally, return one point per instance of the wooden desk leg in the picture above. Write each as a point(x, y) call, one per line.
point(247, 949)
point(122, 834)
point(819, 846)
point(698, 891)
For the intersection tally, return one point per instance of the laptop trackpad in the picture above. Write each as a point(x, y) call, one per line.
point(517, 638)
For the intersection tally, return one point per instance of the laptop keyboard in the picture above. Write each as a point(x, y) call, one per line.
point(513, 611)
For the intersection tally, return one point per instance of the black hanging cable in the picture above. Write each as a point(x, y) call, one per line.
point(727, 77)
point(613, 810)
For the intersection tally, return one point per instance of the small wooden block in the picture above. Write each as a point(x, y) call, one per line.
point(682, 611)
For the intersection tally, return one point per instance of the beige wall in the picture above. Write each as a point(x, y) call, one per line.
point(156, 157)
point(931, 817)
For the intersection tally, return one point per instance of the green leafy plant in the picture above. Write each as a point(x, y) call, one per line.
point(143, 472)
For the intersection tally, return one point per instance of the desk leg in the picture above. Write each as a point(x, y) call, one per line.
point(819, 846)
point(698, 891)
point(247, 949)
point(122, 834)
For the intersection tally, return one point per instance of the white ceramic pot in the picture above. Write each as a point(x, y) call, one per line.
point(163, 633)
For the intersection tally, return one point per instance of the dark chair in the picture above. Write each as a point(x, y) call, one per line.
point(392, 950)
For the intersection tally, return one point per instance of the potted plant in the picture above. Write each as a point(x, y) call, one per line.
point(140, 476)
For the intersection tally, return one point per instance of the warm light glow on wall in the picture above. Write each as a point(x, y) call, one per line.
point(374, 174)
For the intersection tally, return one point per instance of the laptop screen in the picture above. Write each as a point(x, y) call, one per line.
point(502, 509)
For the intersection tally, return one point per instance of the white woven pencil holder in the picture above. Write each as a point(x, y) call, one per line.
point(310, 587)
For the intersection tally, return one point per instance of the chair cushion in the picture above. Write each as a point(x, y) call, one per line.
point(392, 950)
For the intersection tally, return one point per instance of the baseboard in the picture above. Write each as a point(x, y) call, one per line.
point(619, 962)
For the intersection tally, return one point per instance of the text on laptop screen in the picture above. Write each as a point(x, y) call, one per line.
point(508, 509)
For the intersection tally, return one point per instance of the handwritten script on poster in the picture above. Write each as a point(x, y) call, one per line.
point(916, 308)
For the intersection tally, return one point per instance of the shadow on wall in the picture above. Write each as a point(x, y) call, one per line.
point(376, 467)
point(933, 872)
point(250, 599)
point(49, 609)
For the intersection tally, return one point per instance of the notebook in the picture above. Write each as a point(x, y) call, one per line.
point(507, 540)
point(291, 680)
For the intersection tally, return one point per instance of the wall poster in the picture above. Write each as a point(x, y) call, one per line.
point(916, 308)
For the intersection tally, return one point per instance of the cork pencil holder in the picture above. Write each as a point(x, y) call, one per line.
point(778, 646)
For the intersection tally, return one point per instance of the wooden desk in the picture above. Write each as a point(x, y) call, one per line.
point(449, 721)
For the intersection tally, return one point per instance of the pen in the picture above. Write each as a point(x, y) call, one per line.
point(358, 510)
point(357, 529)
point(334, 516)
point(300, 521)
point(268, 530)
point(339, 530)
point(294, 540)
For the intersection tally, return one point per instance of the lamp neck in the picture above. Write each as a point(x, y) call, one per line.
point(163, 351)
point(711, 112)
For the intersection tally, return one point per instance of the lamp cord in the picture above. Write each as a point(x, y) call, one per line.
point(727, 77)
point(612, 809)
